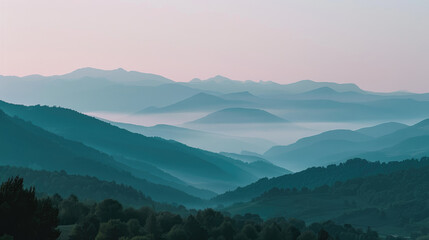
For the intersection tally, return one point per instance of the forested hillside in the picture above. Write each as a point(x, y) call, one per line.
point(318, 176)
point(395, 203)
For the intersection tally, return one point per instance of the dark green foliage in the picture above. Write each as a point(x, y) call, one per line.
point(84, 186)
point(86, 229)
point(23, 216)
point(177, 233)
point(394, 203)
point(112, 230)
point(108, 209)
point(318, 176)
point(108, 220)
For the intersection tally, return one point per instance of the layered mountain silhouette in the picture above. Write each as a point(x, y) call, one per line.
point(26, 145)
point(195, 167)
point(198, 102)
point(200, 139)
point(239, 115)
point(130, 92)
point(384, 142)
point(226, 85)
point(118, 75)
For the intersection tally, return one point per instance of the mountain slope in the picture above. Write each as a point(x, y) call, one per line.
point(382, 129)
point(318, 176)
point(200, 139)
point(392, 203)
point(308, 151)
point(391, 141)
point(25, 145)
point(201, 168)
point(239, 115)
point(84, 187)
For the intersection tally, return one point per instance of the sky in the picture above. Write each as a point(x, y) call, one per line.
point(380, 45)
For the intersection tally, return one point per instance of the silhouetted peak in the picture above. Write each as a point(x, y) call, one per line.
point(322, 90)
point(219, 79)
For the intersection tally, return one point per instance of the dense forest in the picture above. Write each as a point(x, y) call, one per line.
point(24, 216)
point(396, 202)
point(318, 176)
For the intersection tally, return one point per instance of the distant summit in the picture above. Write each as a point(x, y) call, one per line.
point(118, 75)
point(198, 102)
point(309, 85)
point(240, 115)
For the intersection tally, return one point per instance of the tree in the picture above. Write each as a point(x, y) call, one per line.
point(250, 231)
point(177, 233)
point(134, 228)
point(152, 226)
point(23, 216)
point(308, 235)
point(108, 209)
point(112, 230)
point(323, 235)
point(86, 230)
point(194, 230)
point(292, 233)
point(271, 232)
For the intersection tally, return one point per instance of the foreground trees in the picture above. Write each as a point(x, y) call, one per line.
point(23, 216)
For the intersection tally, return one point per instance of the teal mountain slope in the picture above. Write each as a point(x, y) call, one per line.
point(84, 187)
point(25, 145)
point(197, 167)
point(390, 141)
point(200, 139)
point(318, 176)
point(382, 129)
point(381, 202)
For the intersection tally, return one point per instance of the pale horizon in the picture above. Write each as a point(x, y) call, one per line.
point(380, 46)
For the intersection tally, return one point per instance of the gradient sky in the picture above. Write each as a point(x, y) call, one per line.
point(381, 45)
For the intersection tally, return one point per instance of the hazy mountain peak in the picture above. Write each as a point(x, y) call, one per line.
point(322, 90)
point(219, 79)
point(118, 75)
point(309, 85)
point(239, 116)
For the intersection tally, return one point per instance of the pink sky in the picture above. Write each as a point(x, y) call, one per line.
point(380, 45)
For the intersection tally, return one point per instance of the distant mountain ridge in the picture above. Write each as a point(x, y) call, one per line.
point(199, 102)
point(118, 75)
point(383, 142)
point(200, 139)
point(239, 115)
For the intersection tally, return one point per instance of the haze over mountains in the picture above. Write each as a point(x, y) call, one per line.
point(384, 142)
point(235, 145)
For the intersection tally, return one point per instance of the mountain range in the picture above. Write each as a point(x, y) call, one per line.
point(130, 92)
point(155, 158)
point(384, 142)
